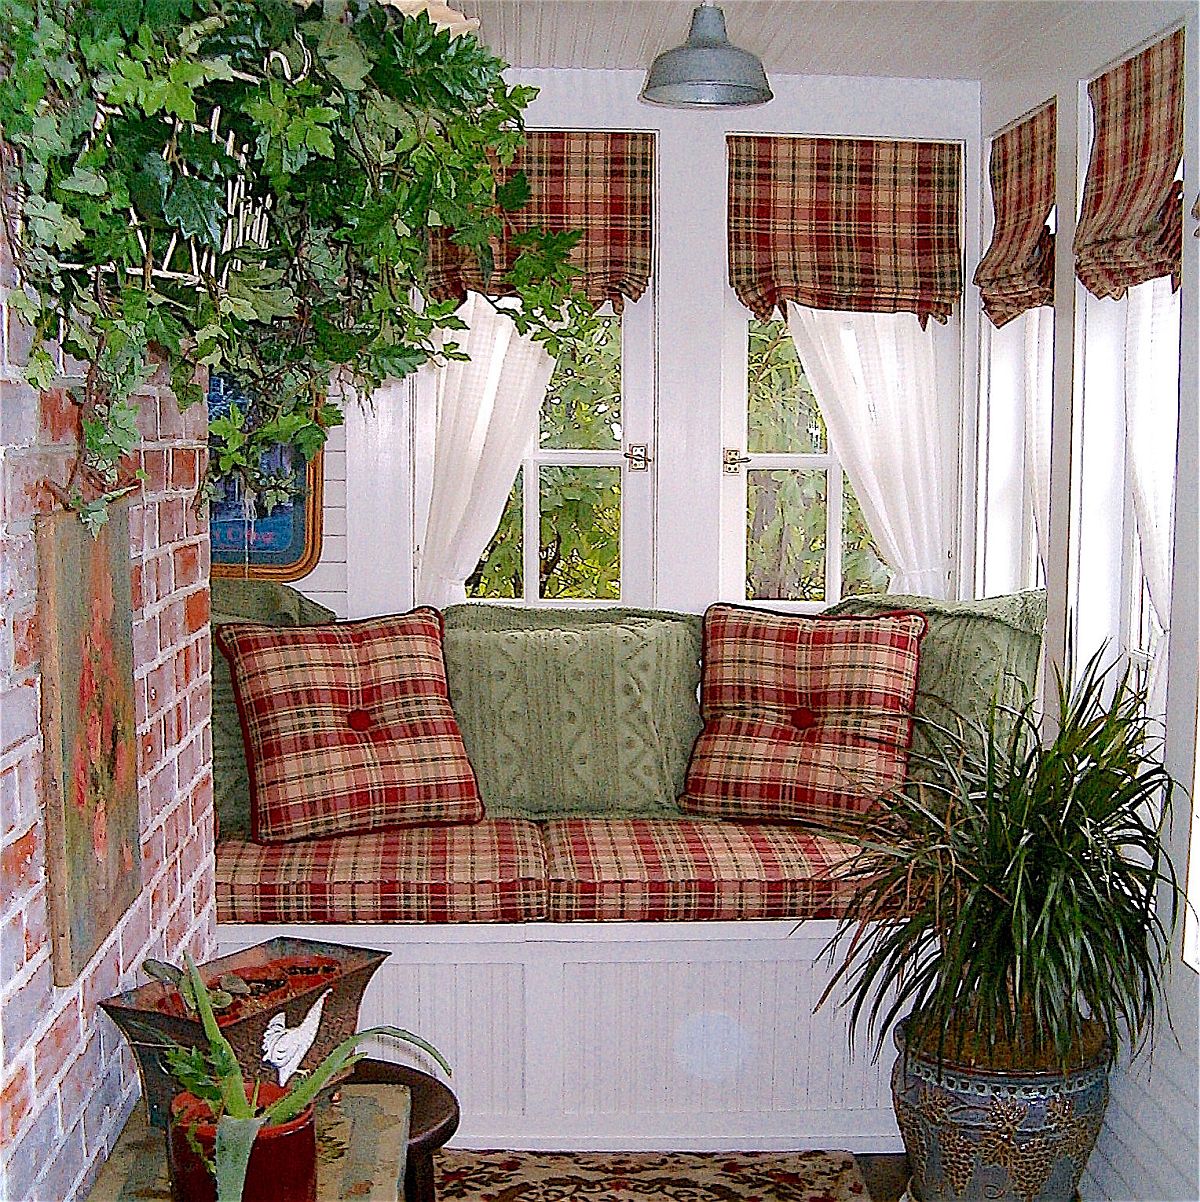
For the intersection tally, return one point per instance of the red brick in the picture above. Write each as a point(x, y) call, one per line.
point(27, 647)
point(197, 611)
point(157, 466)
point(172, 523)
point(160, 686)
point(12, 945)
point(26, 473)
point(154, 856)
point(34, 926)
point(150, 749)
point(58, 416)
point(15, 1100)
point(102, 979)
point(82, 1077)
point(25, 1010)
point(178, 926)
point(61, 1042)
point(135, 588)
point(18, 567)
point(147, 421)
point(187, 565)
point(135, 934)
point(18, 870)
point(185, 463)
point(171, 625)
point(18, 715)
point(145, 640)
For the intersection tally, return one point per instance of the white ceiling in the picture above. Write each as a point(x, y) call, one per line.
point(914, 39)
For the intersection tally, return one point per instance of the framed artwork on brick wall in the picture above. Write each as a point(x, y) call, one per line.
point(283, 544)
point(93, 835)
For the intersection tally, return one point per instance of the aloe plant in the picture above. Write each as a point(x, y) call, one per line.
point(215, 1076)
point(1019, 892)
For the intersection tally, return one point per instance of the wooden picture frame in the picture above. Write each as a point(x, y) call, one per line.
point(284, 545)
point(89, 733)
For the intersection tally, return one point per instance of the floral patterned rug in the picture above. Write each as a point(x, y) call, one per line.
point(466, 1176)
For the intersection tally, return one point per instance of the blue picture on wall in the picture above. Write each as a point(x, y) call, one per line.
point(284, 544)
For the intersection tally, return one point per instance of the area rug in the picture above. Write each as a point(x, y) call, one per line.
point(465, 1176)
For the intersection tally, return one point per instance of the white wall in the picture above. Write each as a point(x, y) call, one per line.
point(1149, 1148)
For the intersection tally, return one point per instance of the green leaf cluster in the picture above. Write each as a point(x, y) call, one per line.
point(250, 186)
point(1018, 897)
point(214, 1075)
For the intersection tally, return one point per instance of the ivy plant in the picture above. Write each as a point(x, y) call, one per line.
point(251, 186)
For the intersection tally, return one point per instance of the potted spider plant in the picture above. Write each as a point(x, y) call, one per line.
point(233, 1139)
point(1015, 900)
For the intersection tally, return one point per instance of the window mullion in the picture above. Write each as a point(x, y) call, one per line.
point(531, 531)
point(833, 531)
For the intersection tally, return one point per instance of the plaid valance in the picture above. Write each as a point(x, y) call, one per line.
point(601, 183)
point(845, 223)
point(1131, 223)
point(1017, 272)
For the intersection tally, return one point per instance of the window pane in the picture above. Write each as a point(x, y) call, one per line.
point(782, 412)
point(582, 409)
point(785, 535)
point(500, 573)
point(580, 532)
point(863, 571)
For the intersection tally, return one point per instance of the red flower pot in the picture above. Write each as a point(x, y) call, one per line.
point(283, 1162)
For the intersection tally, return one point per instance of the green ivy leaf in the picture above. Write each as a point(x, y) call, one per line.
point(197, 208)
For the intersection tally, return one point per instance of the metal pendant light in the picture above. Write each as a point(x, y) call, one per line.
point(707, 71)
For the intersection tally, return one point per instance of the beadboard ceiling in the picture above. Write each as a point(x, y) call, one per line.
point(914, 39)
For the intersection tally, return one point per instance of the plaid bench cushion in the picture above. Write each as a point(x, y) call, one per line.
point(640, 870)
point(492, 871)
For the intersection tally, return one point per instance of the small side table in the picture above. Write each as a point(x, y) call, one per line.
point(373, 1135)
point(434, 1120)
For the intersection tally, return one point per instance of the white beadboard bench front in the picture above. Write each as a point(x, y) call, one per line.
point(670, 1036)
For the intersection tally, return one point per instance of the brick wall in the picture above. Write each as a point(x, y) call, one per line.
point(66, 1080)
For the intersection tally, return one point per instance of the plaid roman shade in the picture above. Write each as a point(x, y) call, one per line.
point(805, 718)
point(348, 726)
point(1017, 272)
point(598, 182)
point(845, 223)
point(644, 870)
point(1131, 222)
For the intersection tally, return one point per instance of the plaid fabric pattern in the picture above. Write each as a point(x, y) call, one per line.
point(845, 223)
point(348, 727)
point(1131, 222)
point(492, 871)
point(600, 183)
point(803, 717)
point(1017, 272)
point(645, 870)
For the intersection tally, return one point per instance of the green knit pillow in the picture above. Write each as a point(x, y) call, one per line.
point(975, 652)
point(245, 601)
point(575, 713)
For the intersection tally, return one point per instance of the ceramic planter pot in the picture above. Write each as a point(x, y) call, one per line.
point(283, 1162)
point(286, 976)
point(973, 1135)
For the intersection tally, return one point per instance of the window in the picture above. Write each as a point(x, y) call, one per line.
point(801, 539)
point(573, 508)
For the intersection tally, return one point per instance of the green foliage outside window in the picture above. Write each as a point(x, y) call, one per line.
point(579, 507)
point(787, 509)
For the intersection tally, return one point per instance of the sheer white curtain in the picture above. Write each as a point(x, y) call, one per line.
point(1151, 421)
point(1038, 395)
point(487, 409)
point(894, 426)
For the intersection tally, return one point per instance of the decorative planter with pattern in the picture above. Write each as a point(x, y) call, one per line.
point(289, 977)
point(974, 1135)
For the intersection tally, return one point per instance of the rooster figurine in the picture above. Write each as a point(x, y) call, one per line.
point(284, 1047)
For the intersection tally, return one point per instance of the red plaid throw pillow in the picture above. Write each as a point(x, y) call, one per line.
point(803, 717)
point(348, 727)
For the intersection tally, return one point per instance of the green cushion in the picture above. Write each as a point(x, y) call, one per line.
point(245, 601)
point(575, 712)
point(975, 652)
